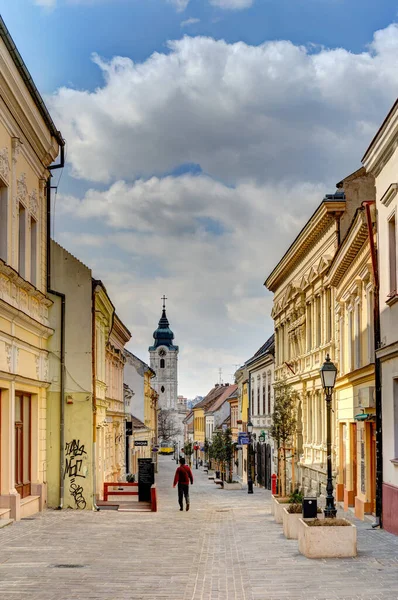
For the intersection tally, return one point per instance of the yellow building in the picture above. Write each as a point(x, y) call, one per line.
point(352, 278)
point(115, 411)
point(242, 381)
point(70, 461)
point(29, 143)
point(303, 314)
point(151, 406)
point(199, 419)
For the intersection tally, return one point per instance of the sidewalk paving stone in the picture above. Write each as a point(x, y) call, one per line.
point(227, 547)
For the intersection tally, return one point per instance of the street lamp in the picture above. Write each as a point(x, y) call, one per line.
point(328, 375)
point(249, 466)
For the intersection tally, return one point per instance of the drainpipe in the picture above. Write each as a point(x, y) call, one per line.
point(62, 342)
point(377, 339)
point(94, 375)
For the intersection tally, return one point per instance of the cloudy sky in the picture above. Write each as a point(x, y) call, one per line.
point(201, 135)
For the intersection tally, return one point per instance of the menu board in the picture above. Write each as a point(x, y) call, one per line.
point(146, 478)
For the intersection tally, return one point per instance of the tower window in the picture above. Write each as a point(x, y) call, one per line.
point(162, 389)
point(162, 363)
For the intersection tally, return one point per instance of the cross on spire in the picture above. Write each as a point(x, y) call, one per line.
point(164, 301)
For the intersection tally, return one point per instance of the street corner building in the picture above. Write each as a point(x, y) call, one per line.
point(314, 296)
point(29, 144)
point(381, 160)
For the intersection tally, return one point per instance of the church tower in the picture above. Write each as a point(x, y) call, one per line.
point(164, 361)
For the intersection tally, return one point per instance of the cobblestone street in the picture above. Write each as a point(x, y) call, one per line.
point(226, 547)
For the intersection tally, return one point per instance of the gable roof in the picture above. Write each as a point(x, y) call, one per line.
point(217, 404)
point(28, 81)
point(137, 424)
point(214, 393)
point(267, 348)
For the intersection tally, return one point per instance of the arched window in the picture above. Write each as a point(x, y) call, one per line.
point(162, 363)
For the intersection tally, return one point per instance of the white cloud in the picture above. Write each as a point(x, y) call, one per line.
point(191, 21)
point(204, 244)
point(180, 5)
point(272, 126)
point(232, 4)
point(239, 111)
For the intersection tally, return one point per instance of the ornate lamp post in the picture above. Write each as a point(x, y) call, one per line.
point(249, 462)
point(328, 375)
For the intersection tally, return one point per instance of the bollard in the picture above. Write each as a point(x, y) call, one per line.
point(249, 486)
point(273, 484)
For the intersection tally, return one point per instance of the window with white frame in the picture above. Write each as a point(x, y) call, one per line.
point(370, 323)
point(392, 248)
point(318, 317)
point(357, 335)
point(342, 340)
point(308, 325)
point(22, 240)
point(350, 340)
point(3, 221)
point(395, 401)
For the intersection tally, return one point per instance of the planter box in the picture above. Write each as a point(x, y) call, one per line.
point(327, 542)
point(232, 486)
point(279, 505)
point(291, 524)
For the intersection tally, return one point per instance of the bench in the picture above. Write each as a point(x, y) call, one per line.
point(219, 482)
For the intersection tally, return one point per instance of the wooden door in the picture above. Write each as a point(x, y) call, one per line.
point(354, 457)
point(372, 437)
point(22, 445)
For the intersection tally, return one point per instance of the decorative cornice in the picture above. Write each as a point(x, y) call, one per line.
point(356, 237)
point(317, 225)
point(389, 194)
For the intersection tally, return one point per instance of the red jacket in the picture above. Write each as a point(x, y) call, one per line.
point(183, 475)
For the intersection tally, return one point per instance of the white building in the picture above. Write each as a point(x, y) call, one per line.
point(260, 371)
point(381, 160)
point(164, 361)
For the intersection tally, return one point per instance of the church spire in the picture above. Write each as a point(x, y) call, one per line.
point(163, 335)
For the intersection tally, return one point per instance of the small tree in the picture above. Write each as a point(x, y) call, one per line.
point(284, 421)
point(168, 429)
point(217, 448)
point(207, 449)
point(228, 451)
point(188, 451)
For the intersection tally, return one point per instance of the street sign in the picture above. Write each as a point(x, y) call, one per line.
point(140, 442)
point(244, 441)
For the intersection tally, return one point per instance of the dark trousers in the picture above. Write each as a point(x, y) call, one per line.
point(183, 491)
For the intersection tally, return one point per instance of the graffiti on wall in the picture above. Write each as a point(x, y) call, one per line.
point(75, 456)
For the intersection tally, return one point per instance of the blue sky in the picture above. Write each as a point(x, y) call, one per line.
point(193, 162)
point(56, 43)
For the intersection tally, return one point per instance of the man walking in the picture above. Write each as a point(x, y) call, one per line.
point(183, 476)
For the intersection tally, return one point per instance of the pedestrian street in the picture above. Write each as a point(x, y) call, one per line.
point(227, 547)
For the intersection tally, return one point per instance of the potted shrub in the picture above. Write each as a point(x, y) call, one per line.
point(327, 538)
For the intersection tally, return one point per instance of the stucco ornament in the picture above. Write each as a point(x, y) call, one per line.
point(33, 203)
point(22, 189)
point(8, 348)
point(4, 164)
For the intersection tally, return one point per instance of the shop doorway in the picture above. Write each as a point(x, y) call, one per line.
point(23, 442)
